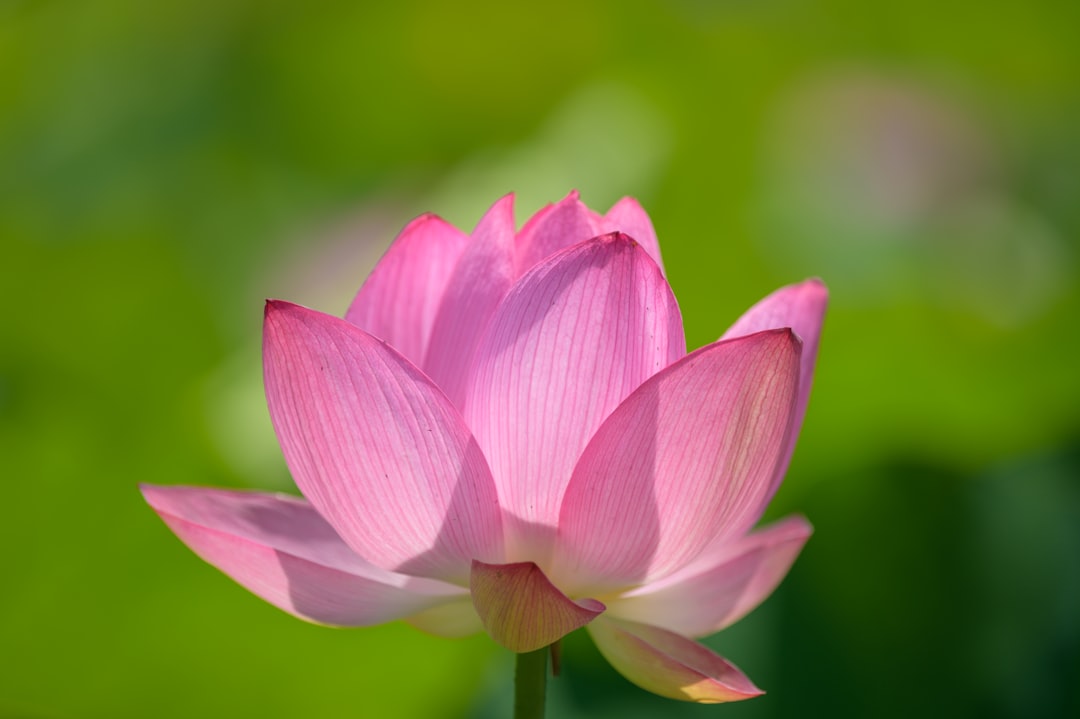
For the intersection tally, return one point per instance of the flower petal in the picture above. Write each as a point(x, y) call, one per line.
point(572, 339)
point(670, 665)
point(377, 448)
point(718, 588)
point(400, 298)
point(628, 217)
point(479, 282)
point(554, 228)
point(452, 620)
point(522, 610)
point(281, 549)
point(686, 458)
point(802, 308)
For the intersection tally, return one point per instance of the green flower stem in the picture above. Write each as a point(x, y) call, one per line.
point(530, 684)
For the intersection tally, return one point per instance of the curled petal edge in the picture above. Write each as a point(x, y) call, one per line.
point(669, 664)
point(522, 610)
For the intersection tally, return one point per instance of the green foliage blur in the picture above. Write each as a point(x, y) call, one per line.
point(165, 166)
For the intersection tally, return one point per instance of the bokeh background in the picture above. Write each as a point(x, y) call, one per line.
point(164, 166)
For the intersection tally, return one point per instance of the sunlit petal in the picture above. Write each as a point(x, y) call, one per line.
point(401, 297)
point(627, 216)
point(802, 308)
point(574, 337)
point(377, 448)
point(686, 458)
point(480, 280)
point(668, 664)
point(555, 228)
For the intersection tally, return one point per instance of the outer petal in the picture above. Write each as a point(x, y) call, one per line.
point(400, 298)
point(686, 458)
point(281, 549)
point(668, 664)
point(524, 611)
point(452, 620)
point(573, 338)
point(718, 588)
point(555, 228)
point(479, 282)
point(377, 448)
point(802, 308)
point(629, 217)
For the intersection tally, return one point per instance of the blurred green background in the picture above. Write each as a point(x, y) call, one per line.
point(164, 166)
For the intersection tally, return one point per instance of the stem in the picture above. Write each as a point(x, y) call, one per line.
point(530, 684)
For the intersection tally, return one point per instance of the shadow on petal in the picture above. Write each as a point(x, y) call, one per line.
point(307, 593)
point(460, 523)
point(282, 550)
point(609, 528)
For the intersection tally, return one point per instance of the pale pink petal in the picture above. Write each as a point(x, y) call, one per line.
point(281, 549)
point(399, 300)
point(479, 282)
point(453, 620)
point(573, 338)
point(555, 228)
point(802, 308)
point(377, 448)
point(686, 458)
point(720, 587)
point(522, 610)
point(628, 217)
point(668, 664)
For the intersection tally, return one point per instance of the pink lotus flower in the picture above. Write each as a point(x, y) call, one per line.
point(506, 433)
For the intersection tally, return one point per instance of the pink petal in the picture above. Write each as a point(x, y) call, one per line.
point(554, 228)
point(522, 610)
point(400, 298)
point(686, 458)
point(628, 217)
point(279, 548)
point(720, 587)
point(573, 338)
point(479, 282)
point(452, 620)
point(802, 308)
point(376, 448)
point(670, 665)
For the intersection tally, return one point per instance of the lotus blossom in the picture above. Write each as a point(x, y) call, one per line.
point(506, 433)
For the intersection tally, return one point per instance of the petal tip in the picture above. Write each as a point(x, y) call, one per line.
point(158, 496)
point(800, 525)
point(669, 664)
point(816, 287)
point(785, 336)
point(147, 491)
point(617, 238)
point(274, 307)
